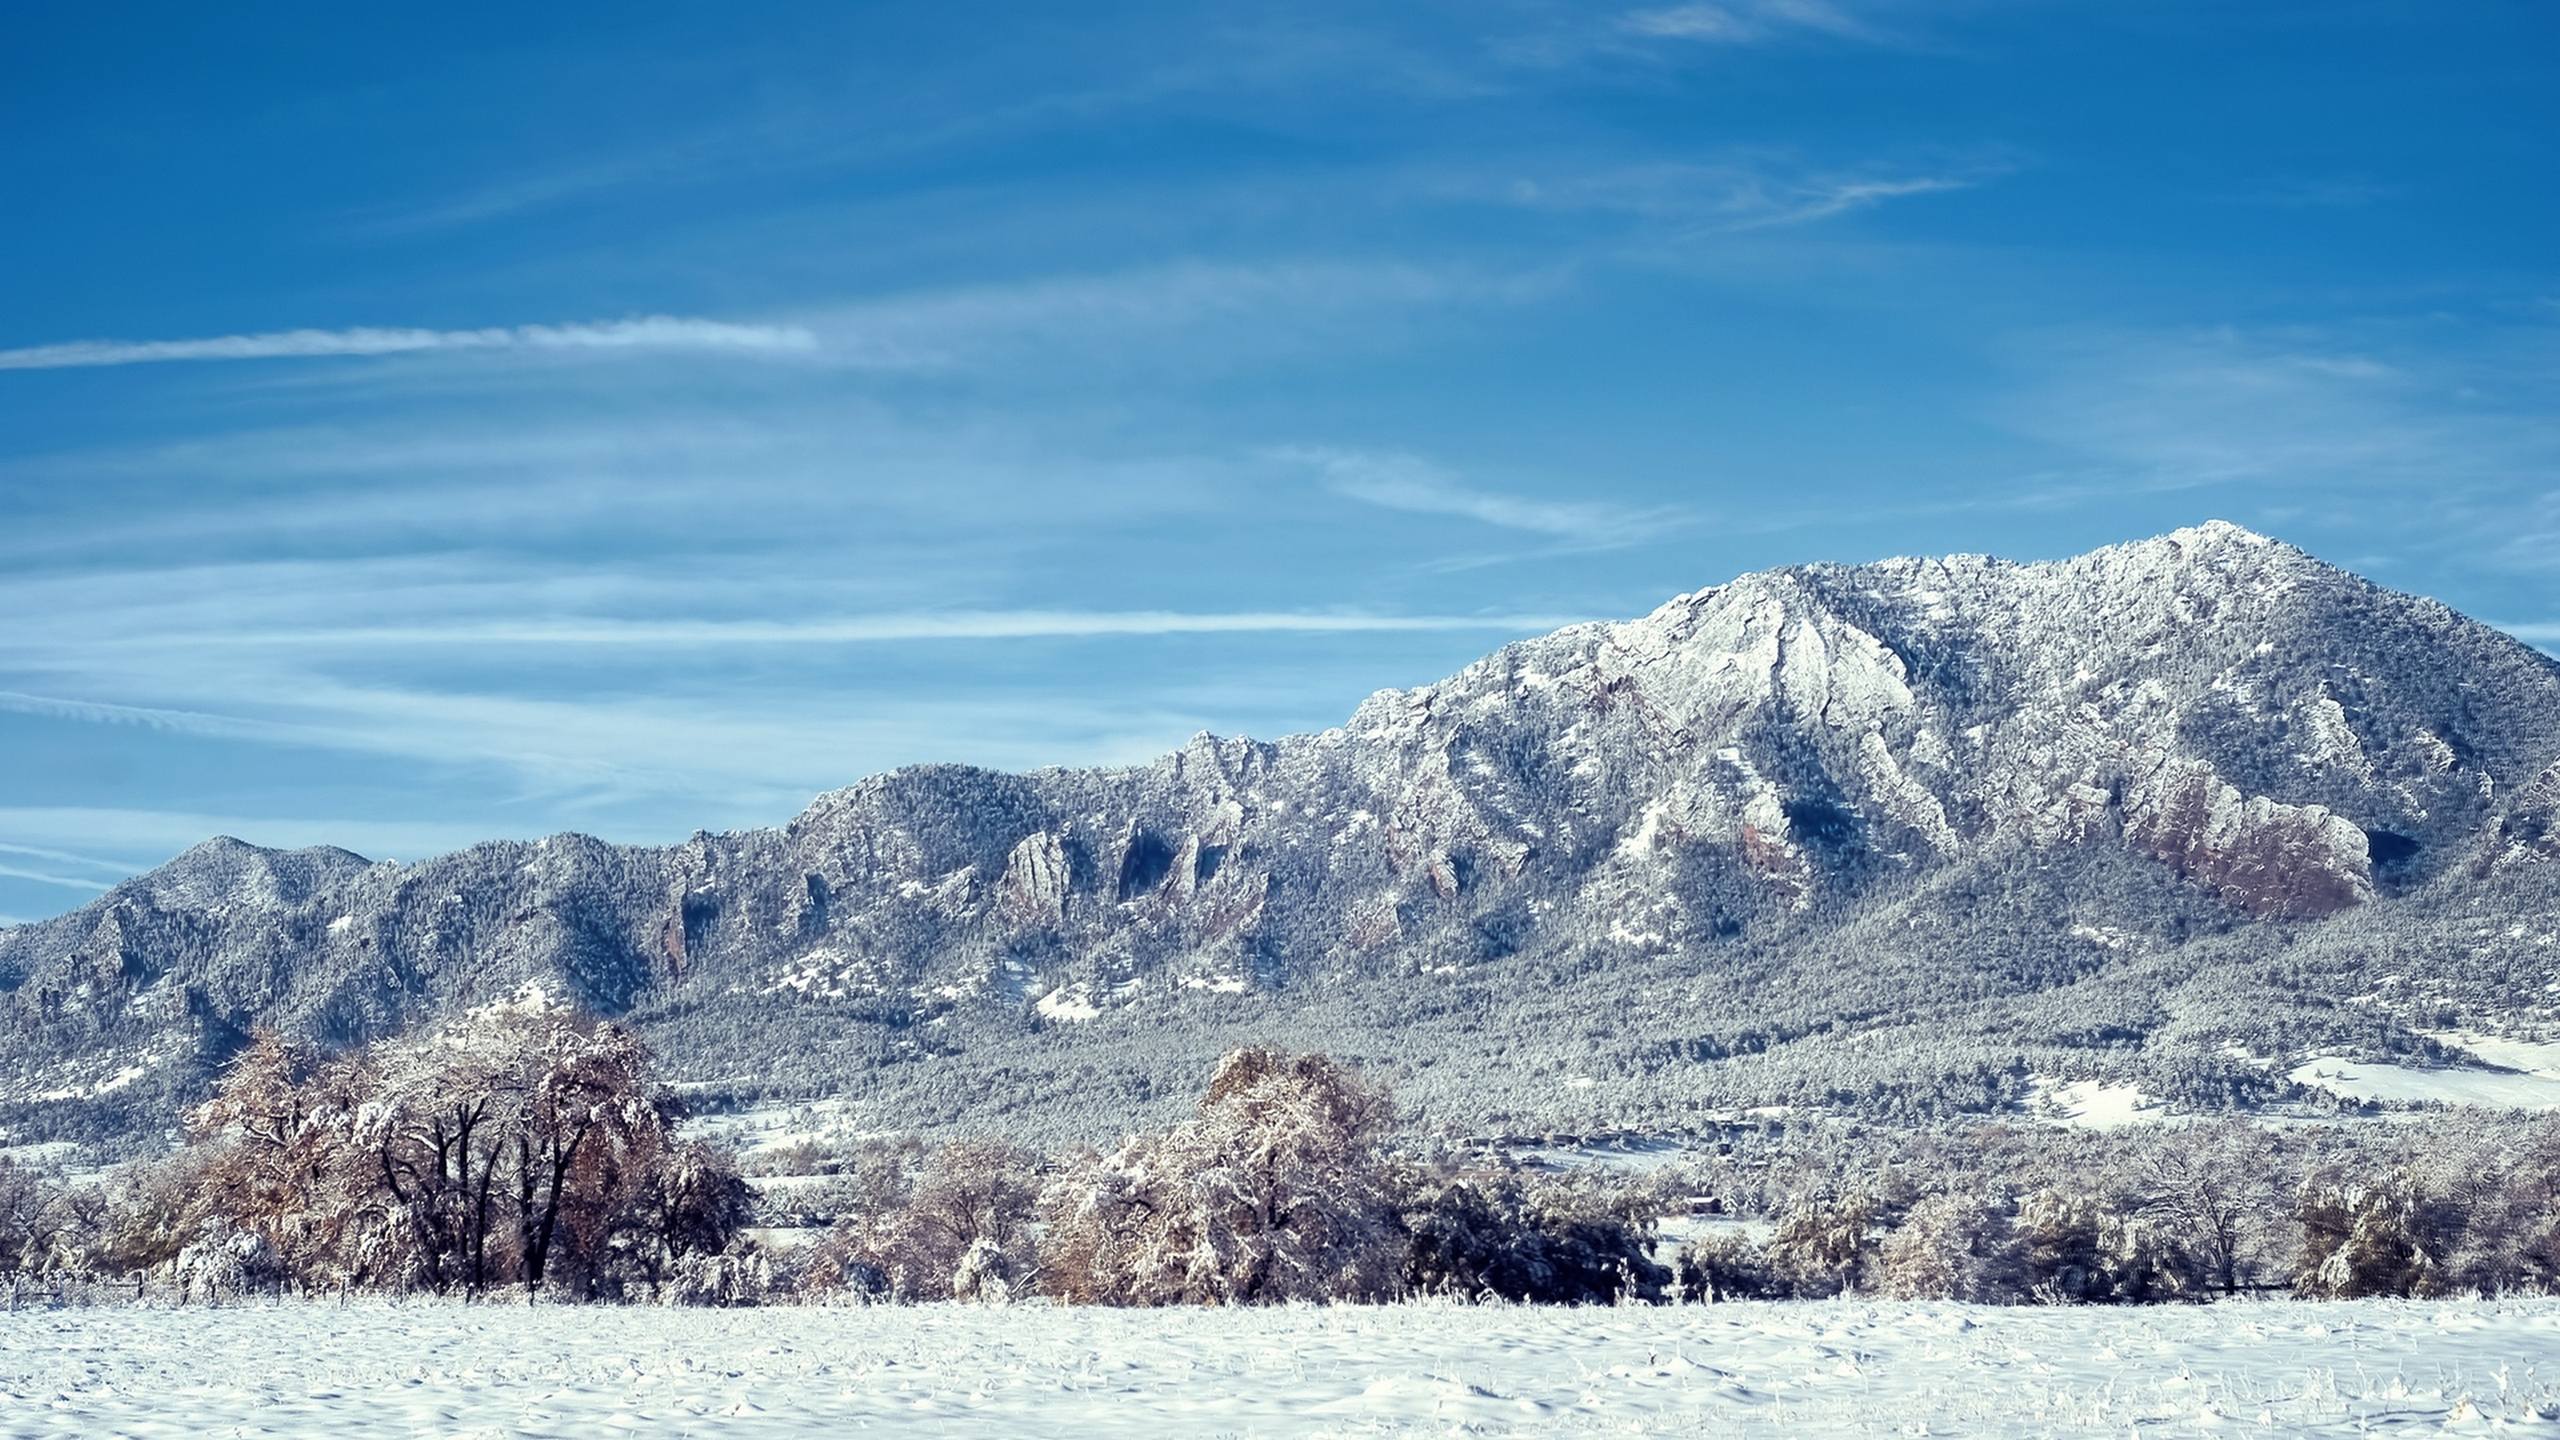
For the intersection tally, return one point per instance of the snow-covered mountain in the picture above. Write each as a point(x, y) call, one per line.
point(1925, 828)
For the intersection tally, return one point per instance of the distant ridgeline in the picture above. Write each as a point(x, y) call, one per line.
point(1904, 840)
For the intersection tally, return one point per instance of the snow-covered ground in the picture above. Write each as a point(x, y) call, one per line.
point(2091, 1104)
point(775, 1126)
point(1789, 1369)
point(2422, 1085)
point(2526, 1077)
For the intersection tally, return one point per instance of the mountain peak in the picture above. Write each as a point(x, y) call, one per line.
point(2217, 542)
point(2219, 532)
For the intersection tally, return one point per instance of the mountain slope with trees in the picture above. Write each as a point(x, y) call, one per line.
point(1909, 839)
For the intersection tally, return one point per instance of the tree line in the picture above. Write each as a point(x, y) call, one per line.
point(529, 1149)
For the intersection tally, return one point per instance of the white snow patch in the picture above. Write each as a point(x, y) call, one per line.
point(2092, 1104)
point(2533, 1057)
point(1620, 932)
point(1648, 829)
point(107, 1085)
point(777, 1124)
point(2393, 1084)
point(1072, 1005)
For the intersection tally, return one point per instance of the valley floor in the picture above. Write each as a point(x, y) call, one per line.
point(1776, 1369)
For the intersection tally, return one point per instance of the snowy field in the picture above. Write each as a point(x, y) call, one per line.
point(2511, 1075)
point(1789, 1369)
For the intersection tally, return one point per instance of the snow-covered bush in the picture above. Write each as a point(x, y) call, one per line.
point(2497, 1206)
point(1274, 1191)
point(985, 1276)
point(1955, 1245)
point(2076, 1246)
point(46, 1226)
point(740, 1276)
point(1724, 1265)
point(1826, 1247)
point(912, 1219)
point(1563, 1242)
point(2366, 1236)
point(225, 1262)
point(2212, 1188)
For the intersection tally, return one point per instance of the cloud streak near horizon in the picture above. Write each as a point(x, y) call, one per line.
point(43, 877)
point(64, 857)
point(150, 836)
point(881, 629)
point(647, 332)
point(232, 654)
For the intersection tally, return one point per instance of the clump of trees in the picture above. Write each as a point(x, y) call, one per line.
point(2477, 1219)
point(1573, 1240)
point(526, 1146)
point(1280, 1186)
point(46, 1226)
point(955, 1223)
point(2059, 1245)
point(2447, 1209)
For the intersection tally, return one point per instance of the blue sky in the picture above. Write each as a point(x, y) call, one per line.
point(421, 425)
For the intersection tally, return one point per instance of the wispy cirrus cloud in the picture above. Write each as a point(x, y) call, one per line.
point(1396, 481)
point(797, 140)
point(46, 877)
point(1186, 312)
point(148, 717)
point(1748, 22)
point(1822, 199)
point(711, 688)
point(1741, 191)
point(2337, 409)
point(924, 627)
point(642, 333)
point(65, 857)
point(440, 601)
point(1182, 311)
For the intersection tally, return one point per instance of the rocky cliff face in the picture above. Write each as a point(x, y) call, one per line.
point(1765, 758)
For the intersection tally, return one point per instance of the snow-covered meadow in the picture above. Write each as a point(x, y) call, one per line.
point(1785, 1368)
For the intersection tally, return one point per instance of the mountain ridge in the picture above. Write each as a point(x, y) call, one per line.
point(2211, 732)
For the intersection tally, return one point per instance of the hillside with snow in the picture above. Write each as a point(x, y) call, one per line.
point(2180, 824)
